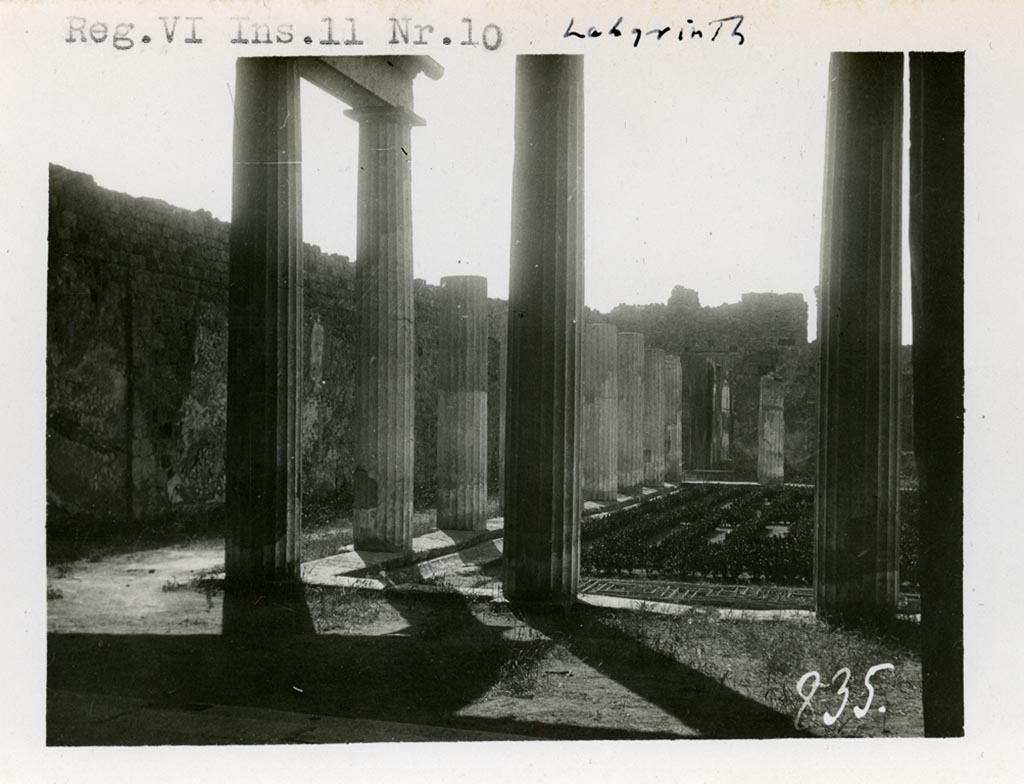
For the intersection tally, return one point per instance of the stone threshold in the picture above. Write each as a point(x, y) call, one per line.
point(598, 509)
point(353, 564)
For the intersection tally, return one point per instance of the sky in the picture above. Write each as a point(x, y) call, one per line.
point(705, 171)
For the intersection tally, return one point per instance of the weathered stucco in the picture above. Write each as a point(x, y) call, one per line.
point(137, 333)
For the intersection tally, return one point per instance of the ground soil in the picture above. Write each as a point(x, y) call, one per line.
point(151, 630)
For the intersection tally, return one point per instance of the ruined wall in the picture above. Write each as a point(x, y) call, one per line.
point(137, 360)
point(761, 333)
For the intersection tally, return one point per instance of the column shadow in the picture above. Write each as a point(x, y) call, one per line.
point(440, 661)
point(697, 700)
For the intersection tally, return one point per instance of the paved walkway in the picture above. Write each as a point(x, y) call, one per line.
point(352, 563)
point(720, 595)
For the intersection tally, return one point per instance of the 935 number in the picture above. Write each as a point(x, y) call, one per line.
point(860, 711)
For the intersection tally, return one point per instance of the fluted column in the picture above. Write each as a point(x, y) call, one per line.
point(502, 403)
point(771, 431)
point(654, 417)
point(542, 491)
point(630, 346)
point(856, 565)
point(263, 499)
point(462, 404)
point(383, 480)
point(600, 413)
point(673, 418)
point(725, 418)
point(714, 386)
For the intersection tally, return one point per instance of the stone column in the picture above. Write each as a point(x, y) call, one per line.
point(630, 351)
point(545, 314)
point(462, 404)
point(673, 419)
point(502, 403)
point(856, 566)
point(383, 480)
point(684, 413)
point(937, 272)
point(263, 462)
point(714, 390)
point(654, 417)
point(700, 379)
point(600, 413)
point(725, 428)
point(771, 431)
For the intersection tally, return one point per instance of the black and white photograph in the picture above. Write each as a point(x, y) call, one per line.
point(512, 391)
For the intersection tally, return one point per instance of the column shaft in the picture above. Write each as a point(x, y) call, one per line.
point(263, 499)
point(630, 349)
point(937, 272)
point(383, 480)
point(600, 413)
point(700, 379)
point(673, 419)
point(725, 421)
point(856, 565)
point(462, 404)
point(502, 408)
point(714, 391)
point(542, 491)
point(654, 417)
point(771, 431)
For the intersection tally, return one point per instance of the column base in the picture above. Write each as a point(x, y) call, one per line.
point(365, 536)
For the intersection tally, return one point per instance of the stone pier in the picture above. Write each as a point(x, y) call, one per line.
point(263, 488)
point(654, 417)
point(856, 567)
point(771, 431)
point(937, 271)
point(462, 404)
point(600, 413)
point(631, 411)
point(700, 378)
point(673, 418)
point(383, 481)
point(542, 493)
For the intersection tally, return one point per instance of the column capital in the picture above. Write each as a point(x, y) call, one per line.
point(385, 114)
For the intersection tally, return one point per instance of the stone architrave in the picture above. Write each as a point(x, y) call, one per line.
point(631, 411)
point(600, 413)
point(263, 488)
point(462, 404)
point(856, 567)
point(673, 418)
point(545, 315)
point(383, 479)
point(771, 431)
point(654, 417)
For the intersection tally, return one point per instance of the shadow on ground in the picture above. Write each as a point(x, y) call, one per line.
point(444, 659)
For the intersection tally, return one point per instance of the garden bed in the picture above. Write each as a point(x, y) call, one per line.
point(723, 532)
